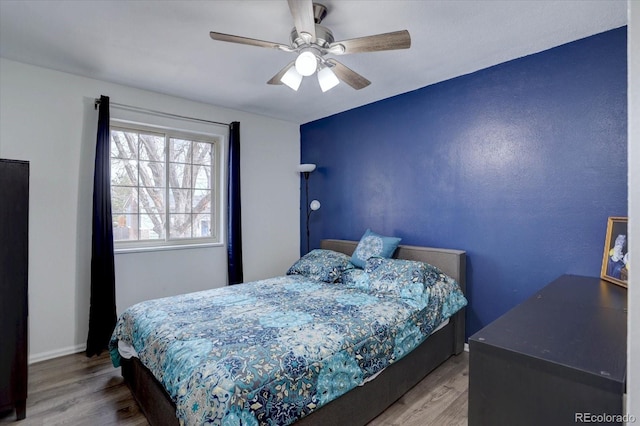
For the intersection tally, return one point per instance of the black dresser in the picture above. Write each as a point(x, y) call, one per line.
point(558, 358)
point(14, 258)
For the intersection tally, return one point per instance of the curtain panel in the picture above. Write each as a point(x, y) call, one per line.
point(234, 216)
point(102, 311)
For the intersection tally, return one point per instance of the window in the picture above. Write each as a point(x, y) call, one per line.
point(163, 187)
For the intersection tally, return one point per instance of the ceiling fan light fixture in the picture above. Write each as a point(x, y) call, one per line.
point(312, 41)
point(306, 63)
point(292, 78)
point(327, 79)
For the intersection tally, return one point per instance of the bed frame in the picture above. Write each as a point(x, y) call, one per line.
point(364, 403)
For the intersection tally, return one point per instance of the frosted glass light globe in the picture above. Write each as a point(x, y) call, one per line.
point(306, 63)
point(292, 78)
point(327, 79)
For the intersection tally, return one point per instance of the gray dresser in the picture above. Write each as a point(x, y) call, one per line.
point(558, 358)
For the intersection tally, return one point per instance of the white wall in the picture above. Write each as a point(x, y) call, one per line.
point(47, 117)
point(633, 326)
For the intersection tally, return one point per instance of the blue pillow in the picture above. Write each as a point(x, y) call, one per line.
point(399, 277)
point(373, 245)
point(433, 275)
point(321, 265)
point(355, 278)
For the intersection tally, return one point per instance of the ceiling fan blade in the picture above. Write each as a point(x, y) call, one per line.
point(347, 75)
point(245, 40)
point(277, 79)
point(302, 12)
point(375, 43)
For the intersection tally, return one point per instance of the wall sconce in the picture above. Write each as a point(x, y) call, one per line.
point(306, 169)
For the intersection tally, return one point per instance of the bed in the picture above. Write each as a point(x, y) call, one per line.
point(359, 404)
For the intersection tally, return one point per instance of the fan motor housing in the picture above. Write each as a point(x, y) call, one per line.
point(324, 37)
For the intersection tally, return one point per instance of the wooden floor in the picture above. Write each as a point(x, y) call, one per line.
point(76, 390)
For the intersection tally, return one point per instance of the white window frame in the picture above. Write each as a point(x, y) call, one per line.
point(217, 172)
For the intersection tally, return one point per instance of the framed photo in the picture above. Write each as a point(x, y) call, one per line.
point(616, 252)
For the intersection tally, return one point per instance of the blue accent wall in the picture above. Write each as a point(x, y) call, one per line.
point(519, 164)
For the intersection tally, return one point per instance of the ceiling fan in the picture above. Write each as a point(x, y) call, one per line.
point(312, 42)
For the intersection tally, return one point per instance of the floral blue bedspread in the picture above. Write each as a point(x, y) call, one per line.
point(272, 351)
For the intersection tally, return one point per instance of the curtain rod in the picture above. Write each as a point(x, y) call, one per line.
point(152, 111)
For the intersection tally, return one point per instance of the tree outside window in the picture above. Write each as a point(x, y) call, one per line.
point(162, 186)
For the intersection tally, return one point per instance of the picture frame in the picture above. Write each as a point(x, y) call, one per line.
point(616, 252)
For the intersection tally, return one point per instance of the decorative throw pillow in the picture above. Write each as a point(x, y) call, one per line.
point(373, 245)
point(321, 265)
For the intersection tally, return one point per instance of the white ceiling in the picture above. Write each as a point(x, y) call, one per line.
point(164, 46)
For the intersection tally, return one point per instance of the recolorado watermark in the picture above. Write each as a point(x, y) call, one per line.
point(603, 418)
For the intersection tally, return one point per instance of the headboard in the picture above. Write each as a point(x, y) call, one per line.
point(451, 262)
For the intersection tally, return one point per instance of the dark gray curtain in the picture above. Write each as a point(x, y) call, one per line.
point(234, 224)
point(102, 312)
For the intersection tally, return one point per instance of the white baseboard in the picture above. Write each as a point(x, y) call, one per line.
point(43, 356)
point(466, 347)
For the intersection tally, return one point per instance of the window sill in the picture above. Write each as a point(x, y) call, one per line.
point(127, 250)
